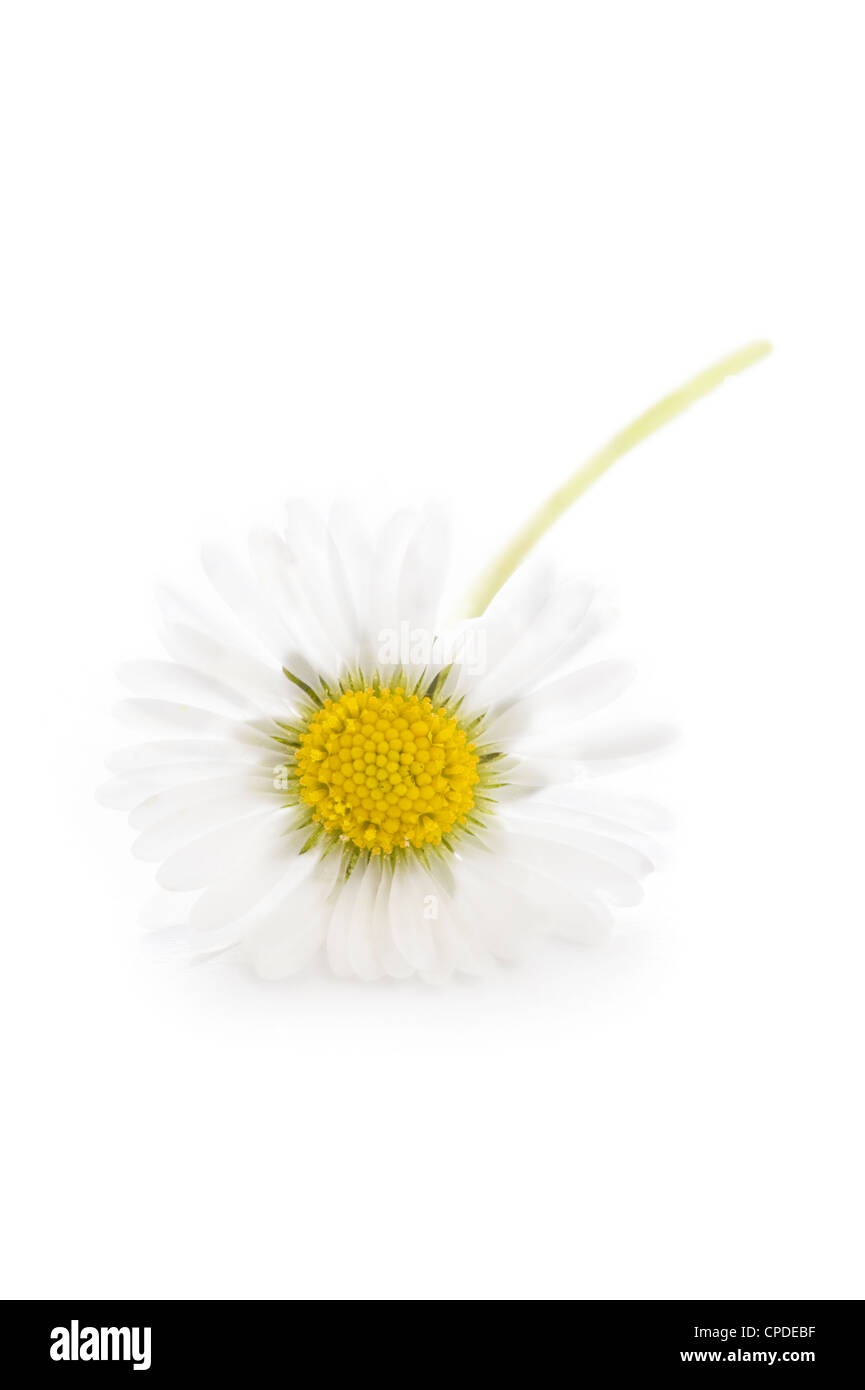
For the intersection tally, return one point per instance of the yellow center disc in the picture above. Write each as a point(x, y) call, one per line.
point(386, 769)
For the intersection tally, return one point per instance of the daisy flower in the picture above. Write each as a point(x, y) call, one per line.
point(329, 767)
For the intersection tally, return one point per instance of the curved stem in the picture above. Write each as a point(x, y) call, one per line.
point(659, 414)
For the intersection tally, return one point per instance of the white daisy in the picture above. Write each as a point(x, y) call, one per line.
point(332, 768)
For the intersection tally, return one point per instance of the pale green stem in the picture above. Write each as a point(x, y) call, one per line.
point(661, 413)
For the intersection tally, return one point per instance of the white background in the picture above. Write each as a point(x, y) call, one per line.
point(409, 249)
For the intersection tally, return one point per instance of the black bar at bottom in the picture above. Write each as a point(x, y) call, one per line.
point(251, 1339)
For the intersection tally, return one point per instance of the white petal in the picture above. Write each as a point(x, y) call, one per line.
point(307, 564)
point(614, 746)
point(341, 909)
point(350, 557)
point(140, 756)
point(423, 570)
point(250, 605)
point(166, 909)
point(494, 912)
point(170, 680)
point(363, 958)
point(300, 599)
point(565, 623)
point(207, 858)
point(390, 549)
point(168, 835)
point(392, 962)
point(239, 670)
point(278, 869)
point(585, 920)
point(130, 789)
point(513, 613)
point(562, 701)
point(636, 811)
point(567, 909)
point(538, 811)
point(410, 930)
point(559, 832)
point(176, 607)
point(458, 942)
point(567, 865)
point(188, 796)
point(515, 777)
point(162, 715)
point(287, 938)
